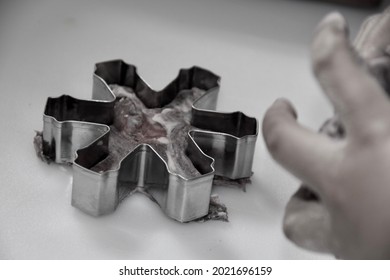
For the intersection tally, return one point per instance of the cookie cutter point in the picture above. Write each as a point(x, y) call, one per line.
point(230, 140)
point(77, 131)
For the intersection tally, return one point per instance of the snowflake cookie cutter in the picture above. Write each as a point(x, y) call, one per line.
point(77, 131)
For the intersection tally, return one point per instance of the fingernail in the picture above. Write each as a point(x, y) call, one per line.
point(279, 101)
point(286, 105)
point(335, 20)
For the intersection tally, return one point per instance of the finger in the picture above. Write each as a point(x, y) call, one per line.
point(307, 222)
point(361, 40)
point(356, 95)
point(374, 36)
point(372, 43)
point(303, 152)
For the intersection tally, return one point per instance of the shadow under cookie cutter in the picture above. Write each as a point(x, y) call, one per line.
point(77, 131)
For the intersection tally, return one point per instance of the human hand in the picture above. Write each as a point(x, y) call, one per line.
point(345, 210)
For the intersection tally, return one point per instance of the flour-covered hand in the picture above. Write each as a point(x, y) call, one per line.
point(344, 209)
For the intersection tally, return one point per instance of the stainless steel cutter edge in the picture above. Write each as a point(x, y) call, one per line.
point(72, 134)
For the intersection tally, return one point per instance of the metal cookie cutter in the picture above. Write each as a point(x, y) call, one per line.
point(77, 131)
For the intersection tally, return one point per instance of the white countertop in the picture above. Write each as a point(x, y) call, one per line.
point(48, 48)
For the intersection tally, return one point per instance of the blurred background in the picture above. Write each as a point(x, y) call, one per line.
point(260, 48)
